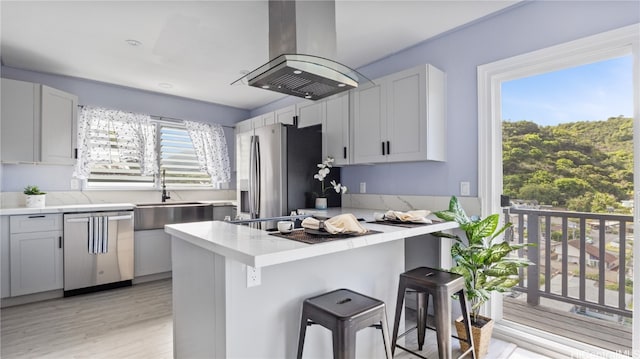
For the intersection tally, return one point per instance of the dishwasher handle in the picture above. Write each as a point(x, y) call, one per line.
point(119, 218)
point(78, 220)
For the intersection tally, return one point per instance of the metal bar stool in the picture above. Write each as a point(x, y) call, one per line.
point(344, 312)
point(441, 286)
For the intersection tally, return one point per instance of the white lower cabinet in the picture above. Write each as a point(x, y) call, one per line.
point(5, 269)
point(152, 252)
point(35, 253)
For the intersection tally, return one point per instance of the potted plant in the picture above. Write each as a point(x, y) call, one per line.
point(482, 258)
point(35, 198)
point(323, 170)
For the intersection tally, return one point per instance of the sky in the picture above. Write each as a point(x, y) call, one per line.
point(592, 92)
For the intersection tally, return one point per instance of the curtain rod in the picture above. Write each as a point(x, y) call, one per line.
point(169, 119)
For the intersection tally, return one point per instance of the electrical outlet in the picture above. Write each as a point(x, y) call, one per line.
point(74, 184)
point(363, 187)
point(253, 276)
point(465, 188)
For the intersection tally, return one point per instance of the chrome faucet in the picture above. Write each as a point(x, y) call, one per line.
point(165, 194)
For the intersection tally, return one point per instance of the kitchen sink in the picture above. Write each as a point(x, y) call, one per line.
point(156, 215)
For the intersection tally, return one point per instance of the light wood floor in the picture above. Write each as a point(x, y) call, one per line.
point(133, 322)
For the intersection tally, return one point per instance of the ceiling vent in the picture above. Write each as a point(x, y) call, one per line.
point(302, 38)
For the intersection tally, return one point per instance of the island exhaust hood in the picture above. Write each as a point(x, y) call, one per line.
point(302, 38)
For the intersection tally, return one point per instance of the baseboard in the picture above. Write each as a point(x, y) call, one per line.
point(151, 277)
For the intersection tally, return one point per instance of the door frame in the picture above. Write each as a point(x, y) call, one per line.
point(618, 42)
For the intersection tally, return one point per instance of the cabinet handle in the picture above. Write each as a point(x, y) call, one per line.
point(75, 153)
point(37, 216)
point(388, 148)
point(383, 148)
point(59, 241)
point(344, 152)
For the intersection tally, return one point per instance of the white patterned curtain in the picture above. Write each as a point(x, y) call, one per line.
point(100, 129)
point(211, 149)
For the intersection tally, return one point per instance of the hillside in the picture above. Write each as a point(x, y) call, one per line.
point(583, 166)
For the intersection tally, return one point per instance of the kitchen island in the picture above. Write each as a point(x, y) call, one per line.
point(238, 291)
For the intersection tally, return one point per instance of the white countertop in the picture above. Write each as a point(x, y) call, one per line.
point(68, 208)
point(258, 248)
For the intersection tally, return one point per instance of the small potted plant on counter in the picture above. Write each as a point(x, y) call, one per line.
point(323, 170)
point(35, 198)
point(482, 258)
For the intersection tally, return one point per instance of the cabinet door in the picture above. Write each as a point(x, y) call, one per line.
point(152, 252)
point(310, 114)
point(19, 121)
point(268, 118)
point(286, 115)
point(5, 268)
point(406, 116)
point(59, 112)
point(36, 262)
point(369, 124)
point(335, 129)
point(244, 126)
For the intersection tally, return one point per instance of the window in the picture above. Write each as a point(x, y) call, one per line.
point(125, 150)
point(178, 158)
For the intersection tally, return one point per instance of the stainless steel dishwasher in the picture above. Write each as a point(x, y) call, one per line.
point(98, 251)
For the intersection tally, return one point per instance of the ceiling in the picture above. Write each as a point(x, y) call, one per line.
point(196, 49)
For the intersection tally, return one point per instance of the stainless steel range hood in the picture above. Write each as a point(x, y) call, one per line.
point(302, 38)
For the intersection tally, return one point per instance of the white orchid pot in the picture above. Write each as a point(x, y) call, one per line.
point(35, 200)
point(321, 203)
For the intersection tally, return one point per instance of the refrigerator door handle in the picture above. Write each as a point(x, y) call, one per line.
point(254, 178)
point(257, 180)
point(252, 169)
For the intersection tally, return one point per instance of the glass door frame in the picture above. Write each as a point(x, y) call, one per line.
point(614, 43)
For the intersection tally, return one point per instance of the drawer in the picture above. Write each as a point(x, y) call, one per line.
point(35, 223)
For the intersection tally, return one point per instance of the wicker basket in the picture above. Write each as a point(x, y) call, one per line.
point(481, 336)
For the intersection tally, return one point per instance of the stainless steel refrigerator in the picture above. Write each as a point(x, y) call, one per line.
point(275, 165)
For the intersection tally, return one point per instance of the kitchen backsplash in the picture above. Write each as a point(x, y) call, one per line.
point(407, 203)
point(17, 199)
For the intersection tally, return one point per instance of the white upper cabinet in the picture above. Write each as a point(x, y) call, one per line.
point(38, 123)
point(20, 126)
point(59, 113)
point(335, 129)
point(400, 118)
point(310, 113)
point(369, 124)
point(286, 116)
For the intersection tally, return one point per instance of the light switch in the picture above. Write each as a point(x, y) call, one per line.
point(363, 187)
point(465, 188)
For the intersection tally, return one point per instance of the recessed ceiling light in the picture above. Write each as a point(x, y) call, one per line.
point(265, 86)
point(133, 42)
point(341, 85)
point(307, 96)
point(297, 72)
point(165, 85)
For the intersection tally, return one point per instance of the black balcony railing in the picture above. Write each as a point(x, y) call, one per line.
point(589, 247)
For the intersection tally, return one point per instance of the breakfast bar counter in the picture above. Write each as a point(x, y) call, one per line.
point(238, 291)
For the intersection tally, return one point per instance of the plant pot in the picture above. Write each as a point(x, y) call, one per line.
point(321, 203)
point(35, 200)
point(481, 335)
